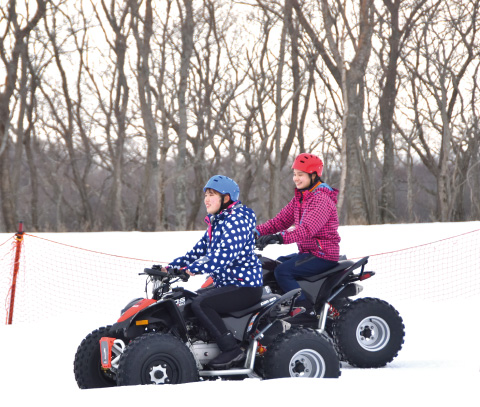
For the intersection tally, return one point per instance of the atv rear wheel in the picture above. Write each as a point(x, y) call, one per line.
point(156, 358)
point(87, 365)
point(301, 352)
point(368, 333)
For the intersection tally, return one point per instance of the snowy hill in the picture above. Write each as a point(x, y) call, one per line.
point(439, 362)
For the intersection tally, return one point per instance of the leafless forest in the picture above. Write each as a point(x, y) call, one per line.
point(114, 113)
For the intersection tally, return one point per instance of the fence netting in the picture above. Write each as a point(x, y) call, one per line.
point(55, 279)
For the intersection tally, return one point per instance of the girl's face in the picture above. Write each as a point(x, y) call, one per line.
point(213, 201)
point(301, 179)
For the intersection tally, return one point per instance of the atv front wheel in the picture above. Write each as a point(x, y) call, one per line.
point(368, 333)
point(156, 358)
point(301, 352)
point(87, 365)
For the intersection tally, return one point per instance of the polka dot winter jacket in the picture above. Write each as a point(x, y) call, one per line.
point(313, 214)
point(226, 249)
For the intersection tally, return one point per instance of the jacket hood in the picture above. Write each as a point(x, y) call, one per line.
point(322, 188)
point(224, 212)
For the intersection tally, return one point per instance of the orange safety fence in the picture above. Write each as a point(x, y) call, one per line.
point(441, 270)
point(55, 279)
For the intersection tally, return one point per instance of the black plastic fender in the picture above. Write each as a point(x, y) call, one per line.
point(272, 311)
point(161, 313)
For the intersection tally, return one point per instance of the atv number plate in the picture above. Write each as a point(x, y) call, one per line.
point(106, 345)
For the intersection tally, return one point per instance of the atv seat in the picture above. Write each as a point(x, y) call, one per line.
point(265, 300)
point(342, 265)
point(334, 280)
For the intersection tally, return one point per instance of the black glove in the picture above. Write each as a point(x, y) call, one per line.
point(178, 271)
point(264, 241)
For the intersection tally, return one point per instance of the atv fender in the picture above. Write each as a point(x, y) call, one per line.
point(151, 314)
point(333, 281)
point(274, 310)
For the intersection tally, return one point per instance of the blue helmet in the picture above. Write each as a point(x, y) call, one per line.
point(224, 185)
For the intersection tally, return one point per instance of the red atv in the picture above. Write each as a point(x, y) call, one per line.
point(158, 340)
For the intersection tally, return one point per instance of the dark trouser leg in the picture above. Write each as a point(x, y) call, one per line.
point(208, 306)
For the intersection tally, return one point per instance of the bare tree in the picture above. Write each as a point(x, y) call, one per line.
point(396, 12)
point(25, 131)
point(215, 82)
point(350, 78)
point(116, 143)
point(160, 73)
point(187, 29)
point(251, 107)
point(64, 110)
point(147, 207)
point(13, 42)
point(277, 72)
point(447, 44)
point(261, 112)
point(114, 119)
point(473, 172)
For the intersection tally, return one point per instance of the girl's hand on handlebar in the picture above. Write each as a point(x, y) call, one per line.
point(178, 271)
point(264, 241)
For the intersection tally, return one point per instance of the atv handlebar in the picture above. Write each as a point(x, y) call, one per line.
point(171, 273)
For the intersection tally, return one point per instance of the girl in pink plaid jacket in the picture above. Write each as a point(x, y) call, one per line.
point(313, 213)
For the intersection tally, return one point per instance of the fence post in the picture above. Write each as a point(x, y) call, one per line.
point(16, 267)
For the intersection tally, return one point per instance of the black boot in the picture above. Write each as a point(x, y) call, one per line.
point(231, 352)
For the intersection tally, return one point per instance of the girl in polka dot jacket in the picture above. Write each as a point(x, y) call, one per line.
point(226, 253)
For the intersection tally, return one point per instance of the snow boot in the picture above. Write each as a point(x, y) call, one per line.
point(231, 352)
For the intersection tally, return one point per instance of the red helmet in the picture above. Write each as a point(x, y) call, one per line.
point(308, 163)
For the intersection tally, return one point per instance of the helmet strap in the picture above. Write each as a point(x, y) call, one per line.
point(225, 203)
point(314, 179)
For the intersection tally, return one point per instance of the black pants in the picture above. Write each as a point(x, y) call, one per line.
point(209, 305)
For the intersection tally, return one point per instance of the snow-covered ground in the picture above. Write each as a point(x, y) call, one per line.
point(439, 362)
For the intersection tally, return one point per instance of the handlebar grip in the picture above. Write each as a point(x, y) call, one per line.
point(180, 272)
point(155, 272)
point(172, 272)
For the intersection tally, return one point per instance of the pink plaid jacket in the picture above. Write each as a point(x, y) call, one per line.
point(314, 215)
